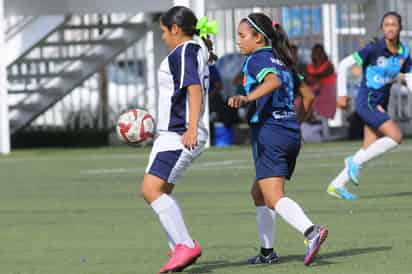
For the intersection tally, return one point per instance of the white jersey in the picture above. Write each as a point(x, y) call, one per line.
point(184, 66)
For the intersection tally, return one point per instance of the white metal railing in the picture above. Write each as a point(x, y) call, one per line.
point(126, 89)
point(126, 84)
point(14, 24)
point(82, 108)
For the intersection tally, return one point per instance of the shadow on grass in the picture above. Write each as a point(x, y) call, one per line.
point(388, 195)
point(322, 259)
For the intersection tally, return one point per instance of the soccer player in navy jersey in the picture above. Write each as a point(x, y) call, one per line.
point(382, 61)
point(271, 81)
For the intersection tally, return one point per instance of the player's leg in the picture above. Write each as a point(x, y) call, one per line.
point(354, 163)
point(337, 187)
point(389, 137)
point(167, 162)
point(265, 220)
point(376, 143)
point(273, 192)
point(157, 194)
point(378, 123)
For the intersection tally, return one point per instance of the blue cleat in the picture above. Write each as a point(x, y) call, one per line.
point(272, 258)
point(314, 242)
point(341, 193)
point(353, 170)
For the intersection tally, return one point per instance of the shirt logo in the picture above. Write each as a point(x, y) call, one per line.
point(382, 61)
point(382, 80)
point(276, 61)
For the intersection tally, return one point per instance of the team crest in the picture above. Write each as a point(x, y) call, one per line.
point(381, 61)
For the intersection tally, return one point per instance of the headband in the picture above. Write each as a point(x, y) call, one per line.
point(254, 25)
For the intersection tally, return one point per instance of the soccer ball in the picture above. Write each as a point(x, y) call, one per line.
point(135, 126)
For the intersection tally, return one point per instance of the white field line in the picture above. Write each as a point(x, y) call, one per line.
point(213, 165)
point(304, 154)
point(231, 165)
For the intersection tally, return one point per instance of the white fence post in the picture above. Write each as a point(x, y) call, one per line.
point(4, 107)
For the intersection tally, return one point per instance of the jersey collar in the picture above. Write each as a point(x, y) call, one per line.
point(382, 45)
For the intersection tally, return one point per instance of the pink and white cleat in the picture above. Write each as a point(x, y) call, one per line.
point(182, 257)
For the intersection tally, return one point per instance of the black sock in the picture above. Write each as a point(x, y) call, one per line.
point(309, 231)
point(266, 251)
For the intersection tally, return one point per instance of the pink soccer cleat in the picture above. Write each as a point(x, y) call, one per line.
point(181, 258)
point(314, 243)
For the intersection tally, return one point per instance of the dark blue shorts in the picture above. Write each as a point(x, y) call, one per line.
point(366, 107)
point(275, 150)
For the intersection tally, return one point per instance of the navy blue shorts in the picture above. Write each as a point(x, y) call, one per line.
point(275, 150)
point(367, 109)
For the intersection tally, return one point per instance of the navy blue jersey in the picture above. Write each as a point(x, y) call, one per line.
point(184, 66)
point(277, 106)
point(380, 69)
point(214, 77)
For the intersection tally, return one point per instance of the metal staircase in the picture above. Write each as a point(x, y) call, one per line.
point(63, 60)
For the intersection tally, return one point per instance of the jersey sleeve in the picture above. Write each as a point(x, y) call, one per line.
point(189, 74)
point(259, 66)
point(362, 56)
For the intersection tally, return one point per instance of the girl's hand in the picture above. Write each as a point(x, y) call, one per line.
point(237, 101)
point(189, 138)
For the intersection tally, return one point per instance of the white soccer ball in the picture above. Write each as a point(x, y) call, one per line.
point(135, 126)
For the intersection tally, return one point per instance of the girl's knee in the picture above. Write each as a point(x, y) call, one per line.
point(149, 192)
point(271, 203)
point(144, 190)
point(399, 138)
point(396, 137)
point(257, 197)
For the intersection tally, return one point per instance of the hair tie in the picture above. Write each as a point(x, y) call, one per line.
point(205, 27)
point(275, 24)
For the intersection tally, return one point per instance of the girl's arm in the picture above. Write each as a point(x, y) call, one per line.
point(270, 83)
point(189, 138)
point(343, 67)
point(307, 101)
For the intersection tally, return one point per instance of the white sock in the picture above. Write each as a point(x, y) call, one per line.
point(359, 155)
point(341, 179)
point(265, 219)
point(293, 214)
point(376, 149)
point(172, 221)
point(170, 240)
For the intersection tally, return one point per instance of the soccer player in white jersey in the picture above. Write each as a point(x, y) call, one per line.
point(183, 86)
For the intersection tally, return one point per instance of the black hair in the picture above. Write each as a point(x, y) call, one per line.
point(394, 14)
point(321, 48)
point(185, 19)
point(397, 16)
point(279, 40)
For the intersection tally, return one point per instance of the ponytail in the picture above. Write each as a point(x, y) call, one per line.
point(274, 35)
point(209, 44)
point(204, 27)
point(282, 46)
